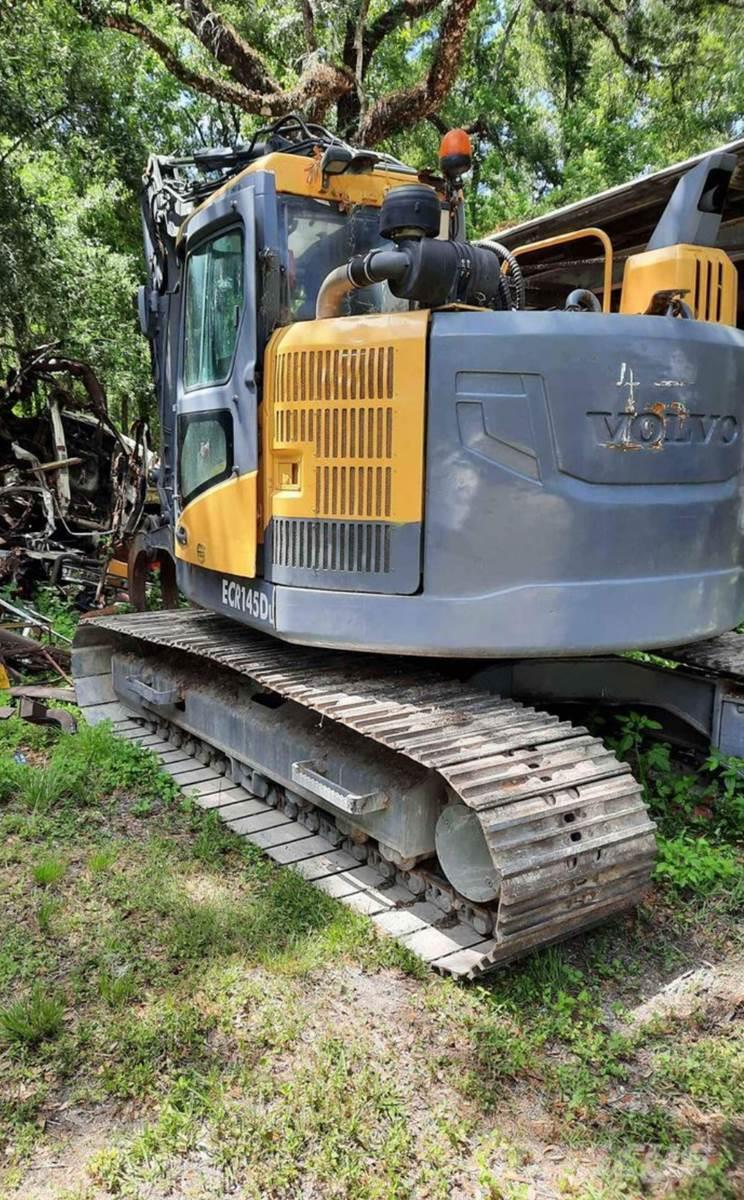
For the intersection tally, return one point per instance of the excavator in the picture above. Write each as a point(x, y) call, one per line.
point(410, 510)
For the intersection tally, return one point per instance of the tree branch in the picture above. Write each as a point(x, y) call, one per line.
point(225, 44)
point(218, 89)
point(602, 27)
point(308, 21)
point(416, 103)
point(508, 30)
point(396, 15)
point(320, 85)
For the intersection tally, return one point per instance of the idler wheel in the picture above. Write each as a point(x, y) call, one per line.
point(464, 855)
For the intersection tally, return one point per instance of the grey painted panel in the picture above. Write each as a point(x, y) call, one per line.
point(599, 513)
point(535, 620)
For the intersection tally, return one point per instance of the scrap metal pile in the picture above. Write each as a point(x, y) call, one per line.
point(73, 489)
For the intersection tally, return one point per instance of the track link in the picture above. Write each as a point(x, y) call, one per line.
point(564, 820)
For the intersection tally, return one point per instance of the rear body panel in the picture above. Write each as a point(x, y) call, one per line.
point(582, 495)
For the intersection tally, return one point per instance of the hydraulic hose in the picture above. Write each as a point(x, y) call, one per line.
point(515, 277)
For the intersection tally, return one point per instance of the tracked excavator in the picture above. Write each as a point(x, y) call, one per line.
point(411, 510)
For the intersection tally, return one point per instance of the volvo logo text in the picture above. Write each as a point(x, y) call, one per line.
point(658, 427)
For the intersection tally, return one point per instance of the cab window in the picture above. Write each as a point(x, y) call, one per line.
point(214, 302)
point(321, 235)
point(205, 451)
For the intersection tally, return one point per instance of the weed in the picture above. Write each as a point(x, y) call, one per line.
point(11, 774)
point(728, 814)
point(697, 814)
point(337, 1127)
point(501, 1051)
point(105, 766)
point(102, 859)
point(634, 727)
point(710, 1181)
point(15, 733)
point(142, 808)
point(116, 987)
point(711, 1071)
point(44, 914)
point(48, 871)
point(41, 789)
point(650, 1126)
point(35, 1019)
point(213, 841)
point(693, 864)
point(63, 616)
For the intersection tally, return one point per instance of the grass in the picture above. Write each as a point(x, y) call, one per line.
point(48, 872)
point(34, 1019)
point(153, 965)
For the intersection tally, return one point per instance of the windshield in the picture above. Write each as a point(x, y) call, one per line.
point(319, 237)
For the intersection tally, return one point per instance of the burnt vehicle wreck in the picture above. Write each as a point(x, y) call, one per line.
point(73, 489)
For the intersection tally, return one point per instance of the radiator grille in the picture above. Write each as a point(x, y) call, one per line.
point(318, 376)
point(337, 404)
point(708, 296)
point(355, 546)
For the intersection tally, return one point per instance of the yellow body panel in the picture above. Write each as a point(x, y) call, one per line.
point(344, 419)
point(706, 277)
point(300, 176)
point(220, 527)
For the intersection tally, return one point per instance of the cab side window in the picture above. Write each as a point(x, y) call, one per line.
point(205, 451)
point(214, 302)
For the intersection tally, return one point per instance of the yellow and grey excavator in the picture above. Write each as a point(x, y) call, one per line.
point(375, 453)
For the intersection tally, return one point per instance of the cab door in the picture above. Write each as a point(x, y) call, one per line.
point(216, 405)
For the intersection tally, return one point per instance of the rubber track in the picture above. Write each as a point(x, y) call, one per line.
point(564, 819)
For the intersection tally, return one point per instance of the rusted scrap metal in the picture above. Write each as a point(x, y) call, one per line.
point(37, 713)
point(24, 653)
point(19, 652)
point(35, 691)
point(71, 485)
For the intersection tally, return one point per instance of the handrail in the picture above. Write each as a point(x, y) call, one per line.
point(590, 231)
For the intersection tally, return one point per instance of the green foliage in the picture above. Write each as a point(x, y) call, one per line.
point(710, 1180)
point(700, 814)
point(711, 1071)
point(45, 914)
point(33, 1020)
point(102, 859)
point(692, 864)
point(116, 986)
point(40, 790)
point(49, 602)
point(10, 778)
point(97, 765)
point(203, 982)
point(48, 871)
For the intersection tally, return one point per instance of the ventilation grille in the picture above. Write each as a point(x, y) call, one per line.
point(352, 546)
point(353, 491)
point(362, 432)
point(319, 376)
point(708, 289)
point(337, 405)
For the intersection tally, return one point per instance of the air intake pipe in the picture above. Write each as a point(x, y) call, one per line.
point(421, 267)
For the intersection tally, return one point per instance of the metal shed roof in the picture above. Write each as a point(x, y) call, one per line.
point(629, 212)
